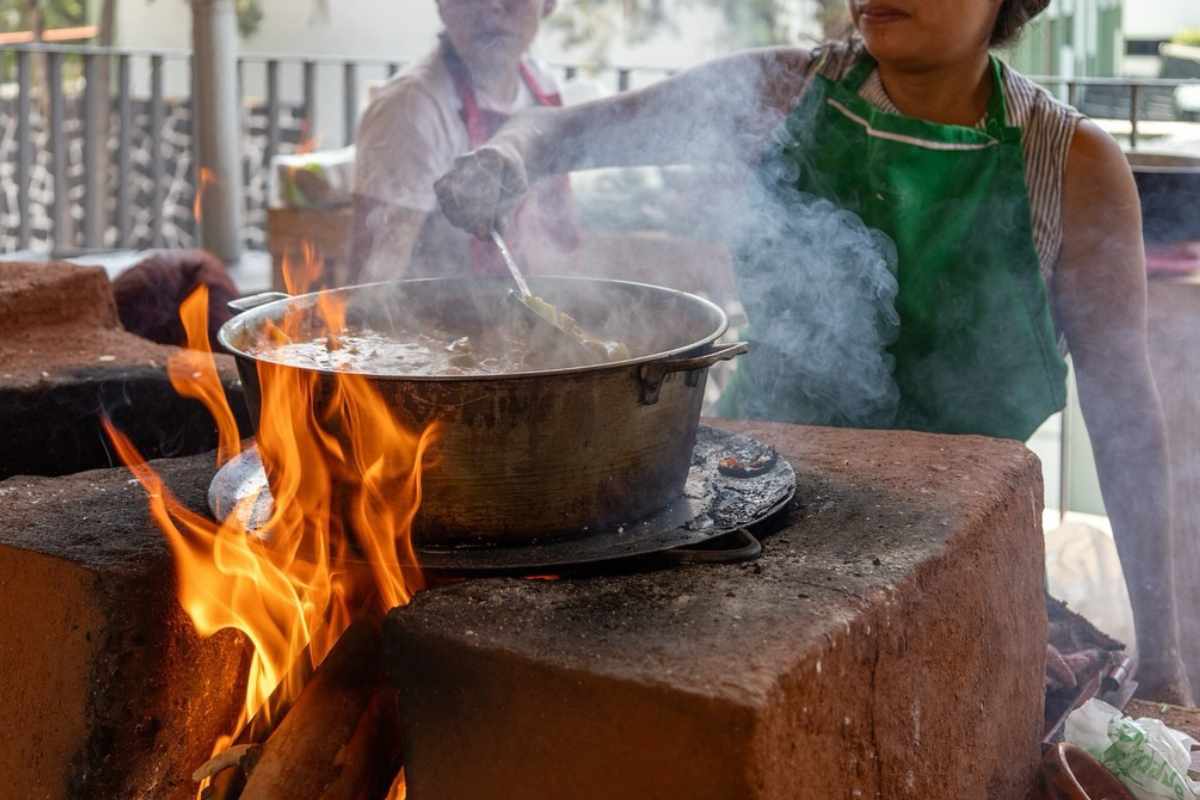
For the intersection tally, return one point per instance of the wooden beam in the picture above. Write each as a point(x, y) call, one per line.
point(216, 124)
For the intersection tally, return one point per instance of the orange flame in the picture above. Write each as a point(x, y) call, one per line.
point(399, 790)
point(299, 276)
point(193, 373)
point(346, 481)
point(204, 179)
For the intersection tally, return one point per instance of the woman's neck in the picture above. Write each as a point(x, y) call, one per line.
point(956, 94)
point(496, 76)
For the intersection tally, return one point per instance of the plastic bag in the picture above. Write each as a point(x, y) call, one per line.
point(1151, 759)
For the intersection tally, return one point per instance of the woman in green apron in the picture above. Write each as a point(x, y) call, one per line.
point(1016, 225)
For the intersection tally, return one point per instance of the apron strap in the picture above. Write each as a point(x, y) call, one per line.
point(859, 73)
point(997, 113)
point(996, 118)
point(473, 115)
point(542, 97)
point(484, 259)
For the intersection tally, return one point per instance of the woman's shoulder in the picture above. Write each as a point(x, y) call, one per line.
point(834, 59)
point(419, 96)
point(421, 81)
point(778, 76)
point(1094, 159)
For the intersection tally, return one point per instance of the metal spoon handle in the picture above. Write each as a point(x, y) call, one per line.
point(512, 265)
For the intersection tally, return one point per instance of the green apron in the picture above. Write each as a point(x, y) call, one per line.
point(976, 350)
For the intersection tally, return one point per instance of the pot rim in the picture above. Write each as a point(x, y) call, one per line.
point(272, 310)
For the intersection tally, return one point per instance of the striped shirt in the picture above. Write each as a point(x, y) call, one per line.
point(1048, 128)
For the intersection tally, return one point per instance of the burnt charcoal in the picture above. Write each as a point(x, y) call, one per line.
point(1072, 633)
point(747, 458)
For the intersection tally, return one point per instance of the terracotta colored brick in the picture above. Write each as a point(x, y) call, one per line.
point(40, 295)
point(889, 644)
point(64, 360)
point(107, 693)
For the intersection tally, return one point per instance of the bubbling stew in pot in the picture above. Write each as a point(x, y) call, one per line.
point(429, 353)
point(432, 352)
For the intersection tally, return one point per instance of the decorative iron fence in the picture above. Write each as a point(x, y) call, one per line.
point(1133, 102)
point(96, 146)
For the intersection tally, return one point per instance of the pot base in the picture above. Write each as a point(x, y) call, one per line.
point(716, 501)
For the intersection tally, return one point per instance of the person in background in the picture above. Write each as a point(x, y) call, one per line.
point(449, 103)
point(1016, 225)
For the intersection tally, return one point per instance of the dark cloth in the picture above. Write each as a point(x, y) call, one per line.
point(149, 294)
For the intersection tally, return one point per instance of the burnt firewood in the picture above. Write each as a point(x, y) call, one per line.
point(1071, 633)
point(228, 771)
point(321, 738)
point(371, 759)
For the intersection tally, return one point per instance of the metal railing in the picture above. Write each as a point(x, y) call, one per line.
point(92, 205)
point(98, 111)
point(1132, 101)
point(98, 84)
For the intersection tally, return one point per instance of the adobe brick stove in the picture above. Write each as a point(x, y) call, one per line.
point(889, 643)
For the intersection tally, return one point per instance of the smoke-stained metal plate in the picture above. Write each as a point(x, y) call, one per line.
point(715, 502)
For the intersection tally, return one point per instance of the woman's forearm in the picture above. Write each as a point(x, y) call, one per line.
point(1131, 457)
point(1100, 299)
point(721, 113)
point(716, 113)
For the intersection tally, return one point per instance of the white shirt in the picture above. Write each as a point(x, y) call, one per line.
point(413, 130)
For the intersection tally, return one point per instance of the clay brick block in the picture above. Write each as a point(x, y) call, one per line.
point(40, 295)
point(64, 360)
point(889, 644)
point(107, 692)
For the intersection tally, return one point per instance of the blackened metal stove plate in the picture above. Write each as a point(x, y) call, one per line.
point(735, 481)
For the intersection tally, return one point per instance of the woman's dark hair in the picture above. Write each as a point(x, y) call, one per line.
point(1014, 16)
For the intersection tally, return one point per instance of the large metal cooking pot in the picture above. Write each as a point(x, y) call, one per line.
point(534, 455)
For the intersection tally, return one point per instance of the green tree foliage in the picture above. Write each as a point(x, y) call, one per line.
point(249, 17)
point(19, 15)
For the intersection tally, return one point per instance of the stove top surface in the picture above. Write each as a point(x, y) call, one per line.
point(735, 481)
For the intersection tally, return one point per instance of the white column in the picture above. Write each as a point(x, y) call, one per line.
point(217, 126)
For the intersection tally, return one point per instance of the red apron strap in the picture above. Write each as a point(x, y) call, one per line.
point(481, 126)
point(543, 98)
point(472, 118)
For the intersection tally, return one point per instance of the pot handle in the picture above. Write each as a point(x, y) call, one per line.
point(653, 375)
point(744, 546)
point(241, 304)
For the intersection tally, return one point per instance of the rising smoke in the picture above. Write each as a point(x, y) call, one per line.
point(819, 286)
